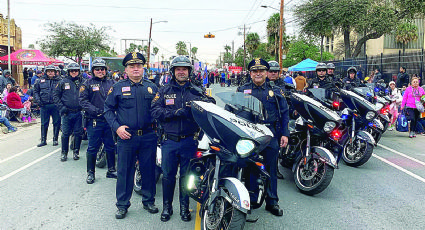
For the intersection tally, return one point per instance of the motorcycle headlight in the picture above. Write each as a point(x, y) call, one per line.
point(245, 147)
point(370, 115)
point(329, 126)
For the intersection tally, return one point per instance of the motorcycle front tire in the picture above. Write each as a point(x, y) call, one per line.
point(315, 180)
point(101, 157)
point(368, 150)
point(235, 219)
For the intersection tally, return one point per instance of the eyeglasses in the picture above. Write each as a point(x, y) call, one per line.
point(99, 68)
point(321, 70)
point(75, 70)
point(273, 71)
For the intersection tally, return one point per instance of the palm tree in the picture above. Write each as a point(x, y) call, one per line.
point(194, 51)
point(155, 50)
point(181, 48)
point(273, 35)
point(406, 33)
point(252, 42)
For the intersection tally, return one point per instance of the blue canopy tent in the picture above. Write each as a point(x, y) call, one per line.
point(306, 65)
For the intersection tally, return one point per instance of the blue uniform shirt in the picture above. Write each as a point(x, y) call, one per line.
point(275, 106)
point(93, 94)
point(66, 94)
point(129, 103)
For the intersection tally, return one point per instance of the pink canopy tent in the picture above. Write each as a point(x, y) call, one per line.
point(29, 57)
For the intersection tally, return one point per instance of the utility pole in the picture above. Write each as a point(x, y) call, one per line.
point(281, 34)
point(244, 48)
point(149, 46)
point(233, 51)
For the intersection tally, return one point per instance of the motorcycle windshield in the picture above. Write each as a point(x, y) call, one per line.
point(243, 102)
point(365, 91)
point(318, 93)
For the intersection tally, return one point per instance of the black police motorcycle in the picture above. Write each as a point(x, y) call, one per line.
point(313, 139)
point(215, 176)
point(357, 144)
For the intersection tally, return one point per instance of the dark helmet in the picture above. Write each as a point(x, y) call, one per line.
point(274, 66)
point(180, 61)
point(321, 65)
point(330, 66)
point(50, 67)
point(6, 72)
point(352, 69)
point(73, 66)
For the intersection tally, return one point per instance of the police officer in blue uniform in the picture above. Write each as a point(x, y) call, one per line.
point(274, 74)
point(171, 107)
point(351, 81)
point(277, 120)
point(128, 112)
point(92, 99)
point(321, 80)
point(43, 93)
point(66, 99)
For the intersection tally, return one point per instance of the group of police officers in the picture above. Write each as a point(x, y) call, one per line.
point(133, 108)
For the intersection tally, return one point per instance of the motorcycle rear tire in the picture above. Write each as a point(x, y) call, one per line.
point(360, 161)
point(317, 186)
point(237, 218)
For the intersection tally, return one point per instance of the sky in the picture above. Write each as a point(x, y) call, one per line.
point(187, 20)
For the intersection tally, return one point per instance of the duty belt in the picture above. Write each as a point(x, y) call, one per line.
point(177, 138)
point(139, 132)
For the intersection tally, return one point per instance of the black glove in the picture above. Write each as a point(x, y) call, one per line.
point(180, 112)
point(63, 111)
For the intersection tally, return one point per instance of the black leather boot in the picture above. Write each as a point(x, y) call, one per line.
point(111, 173)
point(65, 148)
point(184, 202)
point(64, 156)
point(168, 192)
point(43, 137)
point(56, 135)
point(77, 144)
point(91, 164)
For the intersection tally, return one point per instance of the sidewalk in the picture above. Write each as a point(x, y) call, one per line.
point(20, 126)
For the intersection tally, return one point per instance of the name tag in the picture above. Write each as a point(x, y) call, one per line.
point(95, 88)
point(43, 80)
point(169, 102)
point(126, 94)
point(247, 91)
point(67, 87)
point(125, 89)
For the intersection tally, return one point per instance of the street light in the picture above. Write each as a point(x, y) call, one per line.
point(149, 42)
point(280, 30)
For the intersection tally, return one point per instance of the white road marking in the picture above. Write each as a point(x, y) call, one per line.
point(402, 154)
point(397, 167)
point(28, 165)
point(25, 151)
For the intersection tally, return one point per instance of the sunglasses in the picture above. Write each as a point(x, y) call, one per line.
point(273, 71)
point(74, 70)
point(99, 69)
point(321, 70)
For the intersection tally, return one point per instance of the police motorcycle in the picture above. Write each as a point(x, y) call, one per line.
point(218, 175)
point(373, 125)
point(314, 138)
point(382, 102)
point(357, 144)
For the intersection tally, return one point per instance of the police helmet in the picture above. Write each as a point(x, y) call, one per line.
point(330, 66)
point(6, 72)
point(50, 67)
point(274, 66)
point(180, 61)
point(352, 69)
point(73, 66)
point(321, 65)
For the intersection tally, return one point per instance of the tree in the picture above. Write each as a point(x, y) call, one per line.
point(132, 48)
point(194, 51)
point(181, 48)
point(31, 46)
point(273, 25)
point(104, 53)
point(252, 42)
point(262, 52)
point(405, 33)
point(369, 18)
point(155, 50)
point(227, 57)
point(302, 49)
point(73, 41)
point(239, 57)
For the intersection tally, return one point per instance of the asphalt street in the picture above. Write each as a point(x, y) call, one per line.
point(37, 191)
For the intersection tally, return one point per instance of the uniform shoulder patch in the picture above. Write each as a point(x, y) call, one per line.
point(156, 98)
point(82, 88)
point(110, 90)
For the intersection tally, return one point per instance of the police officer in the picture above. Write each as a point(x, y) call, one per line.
point(128, 111)
point(43, 93)
point(92, 99)
point(171, 107)
point(277, 120)
point(321, 80)
point(274, 74)
point(66, 100)
point(351, 81)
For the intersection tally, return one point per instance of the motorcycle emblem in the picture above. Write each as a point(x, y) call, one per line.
point(271, 94)
point(246, 203)
point(150, 90)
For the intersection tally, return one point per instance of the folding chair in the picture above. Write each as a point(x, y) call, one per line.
point(13, 114)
